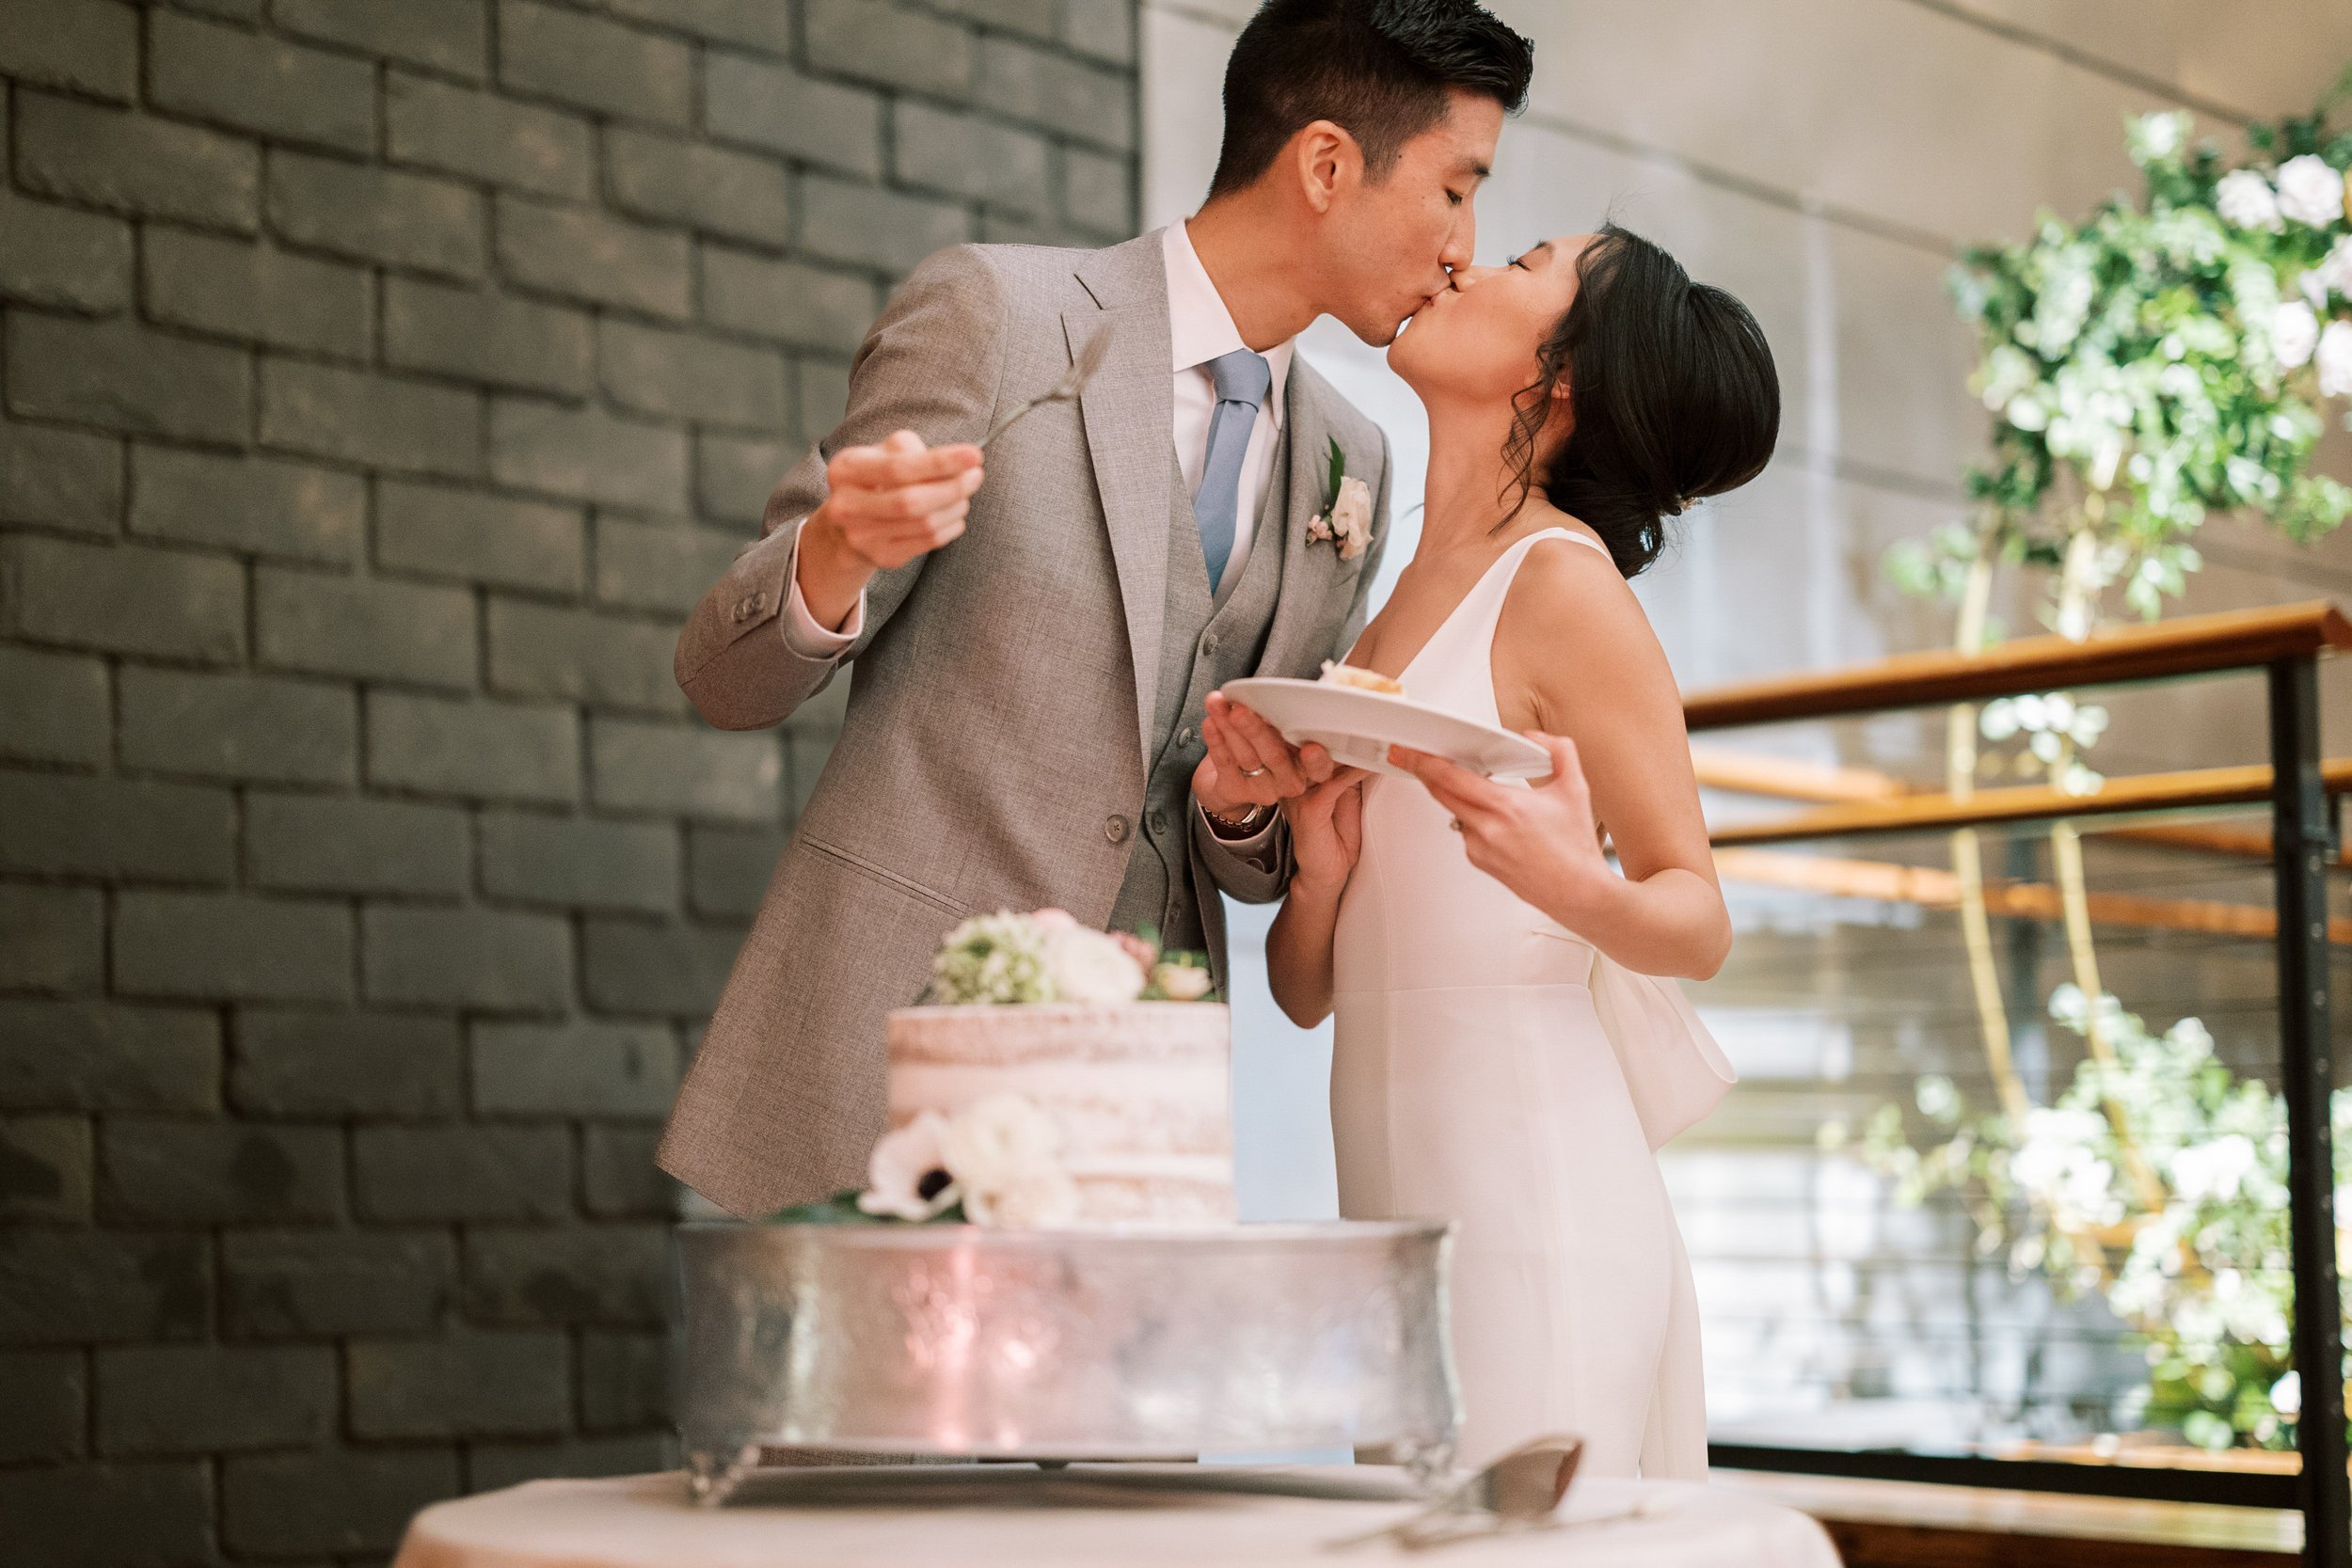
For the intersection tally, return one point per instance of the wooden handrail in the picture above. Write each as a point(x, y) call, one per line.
point(2193, 645)
point(1931, 887)
point(2193, 789)
point(1821, 783)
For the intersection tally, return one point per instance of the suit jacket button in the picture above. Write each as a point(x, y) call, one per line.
point(1159, 821)
point(1115, 828)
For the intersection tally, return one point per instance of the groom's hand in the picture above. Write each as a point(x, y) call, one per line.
point(1249, 764)
point(884, 505)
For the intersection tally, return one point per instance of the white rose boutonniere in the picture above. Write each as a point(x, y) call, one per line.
point(1345, 520)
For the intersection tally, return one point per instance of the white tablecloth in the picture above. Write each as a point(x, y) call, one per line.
point(1091, 1515)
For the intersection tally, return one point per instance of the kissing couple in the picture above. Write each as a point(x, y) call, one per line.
point(1040, 632)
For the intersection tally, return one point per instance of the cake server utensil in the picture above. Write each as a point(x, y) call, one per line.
point(1521, 1490)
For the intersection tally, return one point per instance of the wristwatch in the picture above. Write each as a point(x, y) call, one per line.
point(1240, 827)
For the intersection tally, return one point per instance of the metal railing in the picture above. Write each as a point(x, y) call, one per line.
point(2286, 644)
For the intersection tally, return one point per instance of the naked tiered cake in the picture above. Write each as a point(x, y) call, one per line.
point(1138, 1091)
point(1055, 1075)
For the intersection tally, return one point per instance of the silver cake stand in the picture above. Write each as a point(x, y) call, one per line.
point(1107, 1343)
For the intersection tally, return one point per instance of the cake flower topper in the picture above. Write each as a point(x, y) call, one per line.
point(1048, 957)
point(998, 1161)
point(1345, 519)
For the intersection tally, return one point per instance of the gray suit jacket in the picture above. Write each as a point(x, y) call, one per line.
point(1000, 725)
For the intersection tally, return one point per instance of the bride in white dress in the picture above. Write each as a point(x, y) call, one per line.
point(1462, 929)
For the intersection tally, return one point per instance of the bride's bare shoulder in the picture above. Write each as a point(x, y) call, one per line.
point(1569, 614)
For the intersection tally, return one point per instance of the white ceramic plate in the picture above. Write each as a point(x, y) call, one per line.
point(1358, 727)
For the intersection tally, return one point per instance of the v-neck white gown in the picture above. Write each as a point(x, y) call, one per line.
point(1470, 1080)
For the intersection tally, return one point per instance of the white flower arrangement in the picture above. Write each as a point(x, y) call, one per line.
point(2188, 1249)
point(1345, 520)
point(1046, 956)
point(2165, 360)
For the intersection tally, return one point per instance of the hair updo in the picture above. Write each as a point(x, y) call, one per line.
point(1672, 392)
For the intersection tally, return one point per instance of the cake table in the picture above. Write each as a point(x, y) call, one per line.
point(1086, 1516)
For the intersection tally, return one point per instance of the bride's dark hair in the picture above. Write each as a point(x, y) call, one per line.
point(1673, 392)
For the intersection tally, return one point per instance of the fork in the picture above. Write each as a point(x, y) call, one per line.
point(1074, 380)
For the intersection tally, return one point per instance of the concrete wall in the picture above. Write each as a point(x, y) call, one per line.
point(383, 380)
point(1824, 159)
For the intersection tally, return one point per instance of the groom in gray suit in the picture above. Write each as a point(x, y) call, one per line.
point(1034, 656)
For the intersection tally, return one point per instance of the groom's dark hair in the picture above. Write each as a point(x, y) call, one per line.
point(1378, 68)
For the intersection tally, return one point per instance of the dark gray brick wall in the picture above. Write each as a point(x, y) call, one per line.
point(379, 384)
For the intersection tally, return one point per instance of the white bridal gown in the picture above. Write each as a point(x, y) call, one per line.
point(1472, 1080)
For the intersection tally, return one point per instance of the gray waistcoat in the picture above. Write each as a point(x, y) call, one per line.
point(1203, 645)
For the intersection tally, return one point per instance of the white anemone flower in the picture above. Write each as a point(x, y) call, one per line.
point(2310, 191)
point(907, 1175)
point(2245, 200)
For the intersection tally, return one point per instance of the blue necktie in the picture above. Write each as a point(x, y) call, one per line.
point(1242, 378)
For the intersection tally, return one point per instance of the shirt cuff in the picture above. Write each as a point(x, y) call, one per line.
point(1258, 849)
point(802, 633)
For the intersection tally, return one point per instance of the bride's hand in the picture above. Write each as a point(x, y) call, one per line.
point(1542, 843)
point(1328, 832)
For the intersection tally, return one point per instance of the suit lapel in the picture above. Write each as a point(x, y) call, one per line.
point(1128, 410)
point(1309, 569)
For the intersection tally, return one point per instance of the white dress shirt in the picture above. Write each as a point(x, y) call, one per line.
point(1200, 328)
